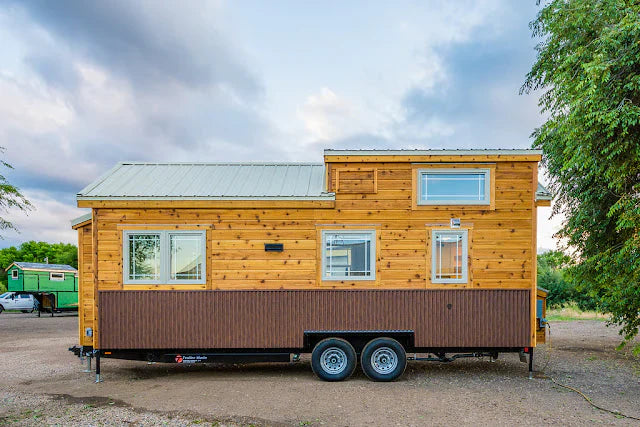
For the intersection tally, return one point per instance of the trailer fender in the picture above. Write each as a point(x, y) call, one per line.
point(358, 339)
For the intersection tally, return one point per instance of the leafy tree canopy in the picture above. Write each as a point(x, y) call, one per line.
point(10, 198)
point(588, 69)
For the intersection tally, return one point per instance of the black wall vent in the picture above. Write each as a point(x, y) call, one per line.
point(273, 247)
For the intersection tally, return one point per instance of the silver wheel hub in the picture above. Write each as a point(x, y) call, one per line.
point(333, 360)
point(384, 360)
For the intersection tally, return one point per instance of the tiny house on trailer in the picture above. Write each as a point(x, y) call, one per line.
point(360, 259)
point(55, 286)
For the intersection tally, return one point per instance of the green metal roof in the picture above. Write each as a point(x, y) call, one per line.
point(542, 193)
point(210, 181)
point(81, 219)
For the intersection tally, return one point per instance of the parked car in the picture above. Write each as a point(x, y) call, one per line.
point(15, 301)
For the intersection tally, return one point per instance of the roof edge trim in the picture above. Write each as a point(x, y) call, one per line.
point(79, 220)
point(443, 152)
point(329, 196)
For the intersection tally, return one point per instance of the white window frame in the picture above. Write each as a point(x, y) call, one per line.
point(55, 276)
point(372, 256)
point(165, 257)
point(465, 255)
point(460, 171)
point(14, 274)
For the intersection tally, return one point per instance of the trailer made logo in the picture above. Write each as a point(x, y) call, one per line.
point(190, 359)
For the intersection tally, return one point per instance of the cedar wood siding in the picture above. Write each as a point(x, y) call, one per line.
point(502, 245)
point(85, 283)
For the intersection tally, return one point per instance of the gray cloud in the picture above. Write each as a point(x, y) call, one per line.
point(148, 42)
point(480, 99)
point(135, 81)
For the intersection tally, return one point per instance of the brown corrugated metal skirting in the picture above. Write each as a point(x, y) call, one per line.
point(278, 318)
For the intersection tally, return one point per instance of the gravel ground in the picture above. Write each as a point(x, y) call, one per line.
point(43, 383)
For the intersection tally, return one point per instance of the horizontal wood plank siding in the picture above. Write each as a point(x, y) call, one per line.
point(501, 244)
point(278, 319)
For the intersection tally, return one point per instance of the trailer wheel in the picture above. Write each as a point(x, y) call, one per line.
point(333, 359)
point(383, 359)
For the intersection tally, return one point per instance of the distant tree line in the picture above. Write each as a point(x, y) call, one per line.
point(56, 253)
point(554, 275)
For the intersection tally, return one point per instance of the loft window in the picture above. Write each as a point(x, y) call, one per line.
point(449, 256)
point(454, 186)
point(348, 255)
point(14, 274)
point(56, 277)
point(164, 257)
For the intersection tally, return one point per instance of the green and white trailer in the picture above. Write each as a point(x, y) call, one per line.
point(54, 285)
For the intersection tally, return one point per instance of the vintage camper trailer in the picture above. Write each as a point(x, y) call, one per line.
point(360, 259)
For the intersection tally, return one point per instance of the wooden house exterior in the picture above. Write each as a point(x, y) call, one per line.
point(282, 253)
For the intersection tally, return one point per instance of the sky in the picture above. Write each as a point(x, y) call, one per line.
point(84, 85)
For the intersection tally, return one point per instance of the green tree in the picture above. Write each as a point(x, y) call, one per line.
point(588, 69)
point(10, 198)
point(554, 275)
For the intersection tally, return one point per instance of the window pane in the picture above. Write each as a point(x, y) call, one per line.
point(348, 255)
point(144, 257)
point(453, 186)
point(186, 257)
point(448, 257)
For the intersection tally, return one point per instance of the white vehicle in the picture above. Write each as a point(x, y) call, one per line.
point(15, 301)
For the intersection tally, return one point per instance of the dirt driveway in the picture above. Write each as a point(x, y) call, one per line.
point(41, 382)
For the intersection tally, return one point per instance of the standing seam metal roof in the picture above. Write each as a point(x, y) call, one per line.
point(210, 181)
point(43, 266)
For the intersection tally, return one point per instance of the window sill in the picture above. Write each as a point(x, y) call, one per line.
point(162, 286)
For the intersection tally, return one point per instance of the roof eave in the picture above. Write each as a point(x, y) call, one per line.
point(81, 220)
point(328, 196)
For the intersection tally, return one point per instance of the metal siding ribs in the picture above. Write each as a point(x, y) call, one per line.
point(278, 318)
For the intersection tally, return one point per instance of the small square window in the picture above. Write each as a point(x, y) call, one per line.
point(454, 187)
point(348, 255)
point(449, 256)
point(56, 277)
point(14, 274)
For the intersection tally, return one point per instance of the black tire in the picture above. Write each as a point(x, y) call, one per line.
point(383, 359)
point(25, 311)
point(333, 359)
point(1, 309)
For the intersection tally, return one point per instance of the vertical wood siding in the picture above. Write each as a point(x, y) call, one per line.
point(278, 318)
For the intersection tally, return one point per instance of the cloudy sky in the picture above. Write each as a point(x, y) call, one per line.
point(84, 85)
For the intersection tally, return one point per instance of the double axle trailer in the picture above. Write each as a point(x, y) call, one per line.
point(367, 259)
